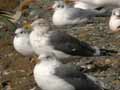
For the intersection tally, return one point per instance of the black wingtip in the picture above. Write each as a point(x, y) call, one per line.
point(99, 8)
point(105, 52)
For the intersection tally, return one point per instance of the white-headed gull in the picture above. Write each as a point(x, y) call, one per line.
point(64, 14)
point(51, 74)
point(45, 40)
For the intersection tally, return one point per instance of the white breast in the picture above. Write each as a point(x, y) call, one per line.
point(114, 23)
point(22, 45)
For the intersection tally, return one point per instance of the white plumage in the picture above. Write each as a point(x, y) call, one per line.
point(45, 78)
point(51, 74)
point(21, 42)
point(39, 39)
point(65, 14)
point(114, 22)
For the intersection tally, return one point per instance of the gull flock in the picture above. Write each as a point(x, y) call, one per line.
point(52, 46)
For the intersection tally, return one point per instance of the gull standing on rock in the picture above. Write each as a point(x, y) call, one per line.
point(65, 14)
point(44, 40)
point(21, 42)
point(51, 74)
point(114, 22)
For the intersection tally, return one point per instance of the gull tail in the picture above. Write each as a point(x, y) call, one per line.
point(104, 52)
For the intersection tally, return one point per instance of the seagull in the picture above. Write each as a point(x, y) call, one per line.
point(21, 42)
point(50, 74)
point(114, 22)
point(64, 14)
point(45, 40)
point(99, 3)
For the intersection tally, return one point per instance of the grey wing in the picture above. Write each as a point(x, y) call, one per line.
point(70, 45)
point(80, 13)
point(73, 76)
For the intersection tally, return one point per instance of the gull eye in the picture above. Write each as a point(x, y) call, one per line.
point(21, 32)
point(113, 13)
point(62, 6)
point(48, 57)
point(58, 6)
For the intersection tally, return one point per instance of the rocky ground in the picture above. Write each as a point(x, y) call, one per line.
point(16, 70)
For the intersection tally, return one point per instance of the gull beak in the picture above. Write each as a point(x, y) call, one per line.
point(34, 61)
point(27, 25)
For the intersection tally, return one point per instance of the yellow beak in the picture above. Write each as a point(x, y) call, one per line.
point(27, 25)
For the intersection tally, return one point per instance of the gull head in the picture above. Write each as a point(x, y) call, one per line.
point(116, 12)
point(40, 23)
point(58, 4)
point(20, 32)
